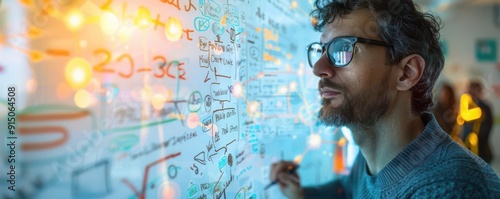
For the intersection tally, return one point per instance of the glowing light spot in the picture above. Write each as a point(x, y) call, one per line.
point(173, 29)
point(297, 159)
point(109, 23)
point(314, 141)
point(142, 18)
point(314, 21)
point(78, 73)
point(253, 107)
point(237, 89)
point(158, 101)
point(74, 20)
point(168, 190)
point(82, 98)
point(35, 56)
point(193, 120)
point(294, 4)
point(293, 86)
point(300, 72)
point(289, 56)
point(1, 38)
point(283, 90)
point(31, 85)
point(260, 75)
point(277, 62)
point(342, 141)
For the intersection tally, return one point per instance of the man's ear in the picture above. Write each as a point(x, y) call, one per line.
point(412, 67)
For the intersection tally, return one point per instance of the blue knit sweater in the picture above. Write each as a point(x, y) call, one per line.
point(431, 166)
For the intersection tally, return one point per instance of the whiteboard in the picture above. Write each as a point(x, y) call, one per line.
point(158, 110)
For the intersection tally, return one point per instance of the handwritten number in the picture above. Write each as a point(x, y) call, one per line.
point(131, 65)
point(161, 66)
point(100, 66)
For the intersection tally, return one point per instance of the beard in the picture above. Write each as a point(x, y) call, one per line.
point(363, 109)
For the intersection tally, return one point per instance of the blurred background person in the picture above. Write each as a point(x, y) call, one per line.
point(446, 111)
point(481, 126)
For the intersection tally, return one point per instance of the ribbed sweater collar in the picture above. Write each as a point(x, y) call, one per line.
point(412, 155)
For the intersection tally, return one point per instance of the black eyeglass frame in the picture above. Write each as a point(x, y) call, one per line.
point(352, 39)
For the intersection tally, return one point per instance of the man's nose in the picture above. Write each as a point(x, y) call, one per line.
point(323, 68)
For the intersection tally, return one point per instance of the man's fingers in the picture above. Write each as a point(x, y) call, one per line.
point(294, 178)
point(278, 168)
point(288, 180)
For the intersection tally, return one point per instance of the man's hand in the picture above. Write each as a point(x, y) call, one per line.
point(289, 183)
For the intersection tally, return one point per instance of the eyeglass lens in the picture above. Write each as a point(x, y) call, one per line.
point(340, 52)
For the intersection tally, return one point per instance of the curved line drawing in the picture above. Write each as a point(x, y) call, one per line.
point(55, 116)
point(30, 146)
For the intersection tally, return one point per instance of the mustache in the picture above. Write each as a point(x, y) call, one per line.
point(326, 83)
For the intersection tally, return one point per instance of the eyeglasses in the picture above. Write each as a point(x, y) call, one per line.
point(339, 51)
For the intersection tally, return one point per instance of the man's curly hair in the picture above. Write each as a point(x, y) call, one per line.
point(401, 25)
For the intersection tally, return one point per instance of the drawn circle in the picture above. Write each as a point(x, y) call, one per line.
point(230, 160)
point(201, 24)
point(218, 29)
point(40, 18)
point(172, 171)
point(208, 103)
point(194, 102)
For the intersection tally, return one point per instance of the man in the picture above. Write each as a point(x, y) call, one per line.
point(483, 125)
point(378, 61)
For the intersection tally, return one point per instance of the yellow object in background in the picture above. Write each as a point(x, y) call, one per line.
point(173, 29)
point(472, 143)
point(109, 23)
point(142, 18)
point(78, 73)
point(83, 98)
point(466, 112)
point(74, 20)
